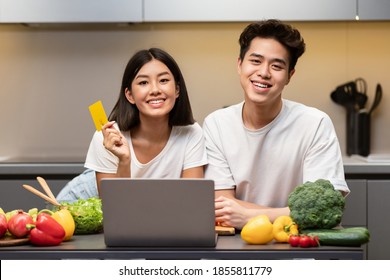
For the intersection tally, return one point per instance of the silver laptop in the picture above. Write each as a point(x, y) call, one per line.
point(158, 212)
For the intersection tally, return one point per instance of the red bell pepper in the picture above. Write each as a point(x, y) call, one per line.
point(46, 231)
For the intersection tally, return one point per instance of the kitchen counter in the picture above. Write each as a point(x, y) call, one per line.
point(363, 178)
point(376, 166)
point(34, 166)
point(352, 165)
point(228, 247)
point(59, 171)
point(40, 168)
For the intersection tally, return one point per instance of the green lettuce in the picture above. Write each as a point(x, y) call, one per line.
point(87, 215)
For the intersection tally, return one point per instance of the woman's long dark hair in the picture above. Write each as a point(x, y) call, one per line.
point(127, 114)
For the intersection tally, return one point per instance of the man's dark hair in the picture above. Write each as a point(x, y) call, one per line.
point(285, 34)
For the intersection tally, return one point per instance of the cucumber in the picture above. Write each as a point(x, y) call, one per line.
point(354, 236)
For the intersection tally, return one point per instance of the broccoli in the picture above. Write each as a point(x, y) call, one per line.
point(316, 205)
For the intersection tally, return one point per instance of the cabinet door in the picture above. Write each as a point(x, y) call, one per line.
point(59, 11)
point(355, 213)
point(378, 219)
point(247, 10)
point(373, 9)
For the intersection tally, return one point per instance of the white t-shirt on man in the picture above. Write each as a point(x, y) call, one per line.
point(185, 149)
point(264, 166)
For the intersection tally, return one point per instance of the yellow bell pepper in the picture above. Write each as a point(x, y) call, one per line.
point(258, 230)
point(283, 227)
point(65, 219)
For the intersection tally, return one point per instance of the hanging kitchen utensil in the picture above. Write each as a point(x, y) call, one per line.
point(361, 93)
point(343, 95)
point(364, 124)
point(346, 95)
point(377, 98)
point(361, 85)
point(353, 96)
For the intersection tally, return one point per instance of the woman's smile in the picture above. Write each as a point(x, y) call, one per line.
point(156, 103)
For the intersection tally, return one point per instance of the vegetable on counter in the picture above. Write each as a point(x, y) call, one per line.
point(283, 227)
point(46, 231)
point(33, 212)
point(9, 214)
point(354, 236)
point(316, 205)
point(304, 241)
point(87, 215)
point(65, 219)
point(17, 224)
point(3, 223)
point(258, 230)
point(294, 240)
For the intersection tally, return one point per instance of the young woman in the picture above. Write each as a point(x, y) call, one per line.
point(151, 131)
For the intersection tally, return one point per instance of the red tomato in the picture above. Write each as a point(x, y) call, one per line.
point(314, 240)
point(294, 240)
point(305, 241)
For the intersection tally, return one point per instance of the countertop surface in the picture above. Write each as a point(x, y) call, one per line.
point(374, 164)
point(33, 168)
point(41, 165)
point(228, 247)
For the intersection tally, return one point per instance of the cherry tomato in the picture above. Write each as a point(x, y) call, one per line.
point(294, 240)
point(305, 241)
point(314, 240)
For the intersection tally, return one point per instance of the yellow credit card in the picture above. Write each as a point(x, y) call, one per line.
point(98, 114)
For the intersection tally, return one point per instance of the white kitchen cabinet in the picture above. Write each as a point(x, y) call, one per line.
point(70, 11)
point(373, 9)
point(247, 10)
point(119, 11)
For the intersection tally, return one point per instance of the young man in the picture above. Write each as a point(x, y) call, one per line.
point(260, 149)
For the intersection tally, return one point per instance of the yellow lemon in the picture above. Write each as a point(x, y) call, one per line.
point(258, 230)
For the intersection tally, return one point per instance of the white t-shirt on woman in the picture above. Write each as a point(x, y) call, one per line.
point(185, 149)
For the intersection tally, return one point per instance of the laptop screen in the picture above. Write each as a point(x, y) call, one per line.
point(158, 212)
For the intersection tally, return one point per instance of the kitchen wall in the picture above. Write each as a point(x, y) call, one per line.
point(49, 75)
